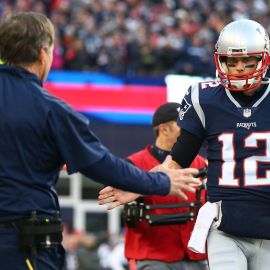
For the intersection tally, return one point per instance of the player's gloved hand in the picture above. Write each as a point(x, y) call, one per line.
point(115, 197)
point(181, 179)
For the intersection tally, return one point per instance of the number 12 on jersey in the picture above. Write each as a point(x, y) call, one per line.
point(250, 164)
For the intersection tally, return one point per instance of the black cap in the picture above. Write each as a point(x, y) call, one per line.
point(165, 113)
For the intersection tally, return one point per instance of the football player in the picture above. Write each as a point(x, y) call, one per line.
point(232, 115)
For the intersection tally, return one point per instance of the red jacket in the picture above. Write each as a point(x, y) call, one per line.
point(164, 243)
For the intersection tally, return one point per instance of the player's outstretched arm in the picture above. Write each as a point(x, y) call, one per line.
point(115, 197)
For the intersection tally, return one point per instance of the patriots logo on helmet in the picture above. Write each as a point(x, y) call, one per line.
point(184, 108)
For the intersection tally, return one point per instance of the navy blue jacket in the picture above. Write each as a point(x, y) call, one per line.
point(38, 134)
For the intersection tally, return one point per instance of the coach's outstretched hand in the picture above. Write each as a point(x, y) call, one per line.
point(181, 180)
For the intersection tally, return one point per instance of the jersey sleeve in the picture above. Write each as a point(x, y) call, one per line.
point(77, 144)
point(116, 172)
point(191, 116)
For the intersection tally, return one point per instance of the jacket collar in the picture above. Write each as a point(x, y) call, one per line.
point(20, 72)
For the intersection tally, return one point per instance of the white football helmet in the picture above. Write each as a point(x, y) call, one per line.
point(242, 38)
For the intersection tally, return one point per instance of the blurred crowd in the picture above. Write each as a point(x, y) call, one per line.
point(94, 251)
point(140, 37)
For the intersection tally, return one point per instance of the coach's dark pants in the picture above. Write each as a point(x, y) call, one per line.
point(11, 258)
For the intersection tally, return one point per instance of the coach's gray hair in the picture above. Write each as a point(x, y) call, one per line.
point(22, 36)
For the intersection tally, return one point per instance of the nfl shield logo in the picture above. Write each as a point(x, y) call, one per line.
point(247, 113)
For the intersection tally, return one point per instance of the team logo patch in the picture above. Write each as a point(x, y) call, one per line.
point(184, 108)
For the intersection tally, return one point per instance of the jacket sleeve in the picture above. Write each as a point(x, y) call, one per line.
point(116, 172)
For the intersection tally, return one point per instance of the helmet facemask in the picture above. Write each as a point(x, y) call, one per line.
point(242, 38)
point(243, 81)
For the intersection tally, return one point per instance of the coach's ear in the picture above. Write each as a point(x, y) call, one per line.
point(42, 56)
point(44, 62)
point(41, 64)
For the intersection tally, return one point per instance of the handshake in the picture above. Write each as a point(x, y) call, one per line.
point(180, 180)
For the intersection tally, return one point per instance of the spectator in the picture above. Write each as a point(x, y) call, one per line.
point(112, 254)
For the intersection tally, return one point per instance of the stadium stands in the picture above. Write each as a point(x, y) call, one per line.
point(139, 37)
